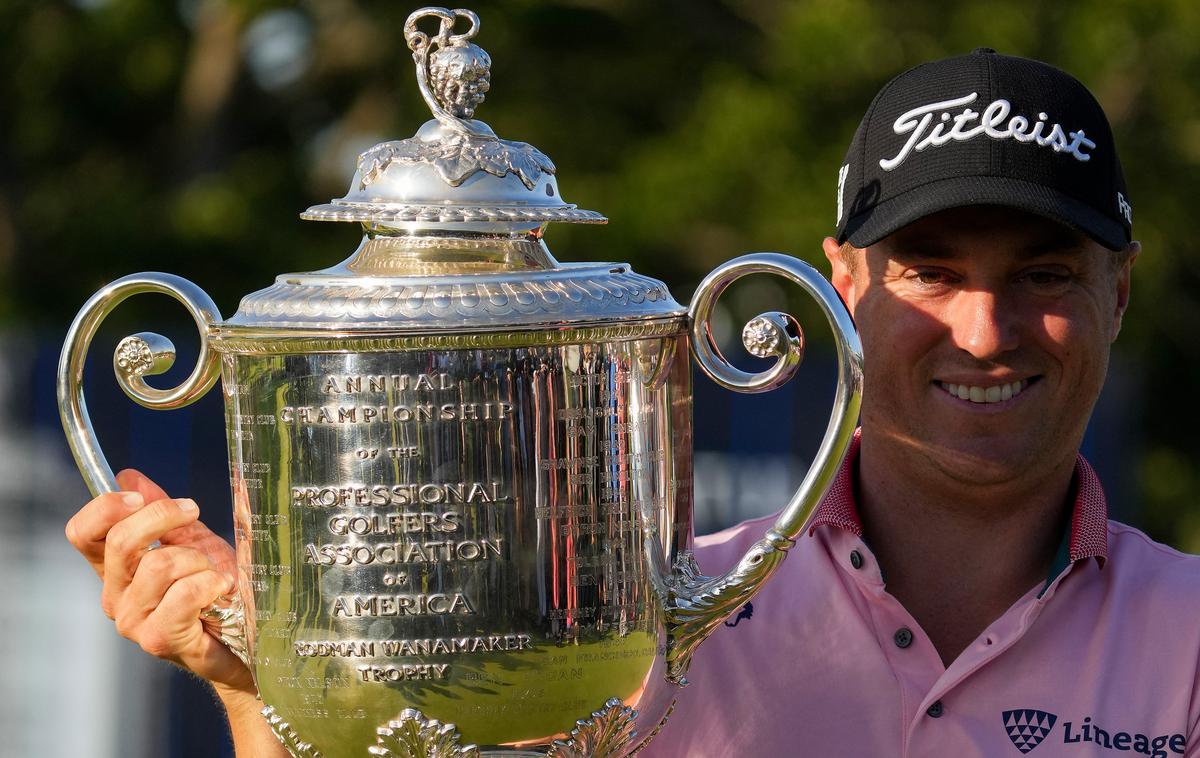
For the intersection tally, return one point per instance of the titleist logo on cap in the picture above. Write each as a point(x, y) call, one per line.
point(993, 122)
point(983, 129)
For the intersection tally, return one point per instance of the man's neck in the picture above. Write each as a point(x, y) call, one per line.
point(956, 554)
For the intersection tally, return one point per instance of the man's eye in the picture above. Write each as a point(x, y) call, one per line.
point(928, 278)
point(1046, 279)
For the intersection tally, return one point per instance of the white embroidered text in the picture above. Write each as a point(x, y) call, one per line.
point(1124, 208)
point(842, 189)
point(993, 122)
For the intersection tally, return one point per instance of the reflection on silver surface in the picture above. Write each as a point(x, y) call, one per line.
point(458, 532)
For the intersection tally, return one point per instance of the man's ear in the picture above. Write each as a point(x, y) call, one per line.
point(1123, 276)
point(841, 274)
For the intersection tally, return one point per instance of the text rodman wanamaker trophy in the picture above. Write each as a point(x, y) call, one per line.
point(462, 470)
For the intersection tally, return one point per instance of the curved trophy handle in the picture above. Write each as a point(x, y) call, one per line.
point(136, 356)
point(696, 604)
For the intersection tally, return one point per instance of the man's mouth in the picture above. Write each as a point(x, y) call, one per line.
point(997, 393)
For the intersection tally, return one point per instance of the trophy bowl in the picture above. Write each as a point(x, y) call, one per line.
point(462, 470)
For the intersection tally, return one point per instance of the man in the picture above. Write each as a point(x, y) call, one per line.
point(960, 591)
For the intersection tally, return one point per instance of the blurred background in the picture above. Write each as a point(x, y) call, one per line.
point(186, 136)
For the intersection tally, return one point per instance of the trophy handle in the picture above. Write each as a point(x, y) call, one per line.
point(696, 604)
point(136, 356)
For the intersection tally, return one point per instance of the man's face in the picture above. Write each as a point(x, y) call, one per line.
point(986, 335)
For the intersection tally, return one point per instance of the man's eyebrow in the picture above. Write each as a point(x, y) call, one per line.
point(927, 248)
point(1059, 245)
point(923, 248)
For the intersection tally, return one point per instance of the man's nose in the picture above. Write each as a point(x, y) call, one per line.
point(983, 325)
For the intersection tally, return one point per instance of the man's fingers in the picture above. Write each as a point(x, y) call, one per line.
point(200, 537)
point(127, 541)
point(156, 596)
point(173, 630)
point(155, 574)
point(132, 480)
point(88, 529)
point(193, 534)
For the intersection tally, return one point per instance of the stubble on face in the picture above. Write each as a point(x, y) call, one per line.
point(983, 302)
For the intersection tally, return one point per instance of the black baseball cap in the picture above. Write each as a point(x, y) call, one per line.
point(983, 129)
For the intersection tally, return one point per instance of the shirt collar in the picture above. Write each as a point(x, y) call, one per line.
point(1087, 537)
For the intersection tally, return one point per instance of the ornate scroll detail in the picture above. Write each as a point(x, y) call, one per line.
point(695, 604)
point(414, 736)
point(288, 737)
point(446, 214)
point(461, 302)
point(456, 157)
point(608, 732)
point(760, 338)
point(134, 356)
point(225, 619)
point(251, 341)
point(772, 334)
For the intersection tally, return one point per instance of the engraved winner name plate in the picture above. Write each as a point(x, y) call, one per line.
point(461, 470)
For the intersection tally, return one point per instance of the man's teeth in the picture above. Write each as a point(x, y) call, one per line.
point(996, 394)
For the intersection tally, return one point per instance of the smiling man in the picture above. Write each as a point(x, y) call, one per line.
point(961, 591)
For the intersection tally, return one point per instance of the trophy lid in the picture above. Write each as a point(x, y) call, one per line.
point(454, 219)
point(455, 169)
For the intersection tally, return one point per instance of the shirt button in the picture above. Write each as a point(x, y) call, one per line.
point(936, 710)
point(856, 559)
point(903, 637)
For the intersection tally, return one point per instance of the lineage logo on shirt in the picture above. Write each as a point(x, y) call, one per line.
point(1028, 727)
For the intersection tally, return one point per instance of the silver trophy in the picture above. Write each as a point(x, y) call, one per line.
point(462, 470)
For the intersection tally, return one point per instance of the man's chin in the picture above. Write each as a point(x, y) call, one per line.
point(989, 454)
point(982, 462)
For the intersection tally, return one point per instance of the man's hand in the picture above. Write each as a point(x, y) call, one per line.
point(155, 594)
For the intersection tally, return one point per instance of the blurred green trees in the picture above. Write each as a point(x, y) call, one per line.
point(187, 135)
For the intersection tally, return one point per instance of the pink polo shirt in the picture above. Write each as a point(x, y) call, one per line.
point(1098, 662)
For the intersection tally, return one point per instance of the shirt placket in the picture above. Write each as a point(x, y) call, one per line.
point(909, 654)
point(922, 738)
point(926, 688)
point(924, 683)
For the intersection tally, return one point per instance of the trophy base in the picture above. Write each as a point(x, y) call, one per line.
point(608, 733)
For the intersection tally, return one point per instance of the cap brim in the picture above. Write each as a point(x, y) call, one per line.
point(876, 222)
